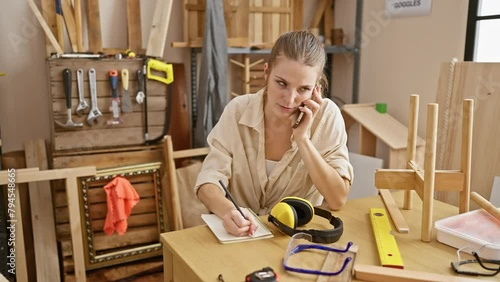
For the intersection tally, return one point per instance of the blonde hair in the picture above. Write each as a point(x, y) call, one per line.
point(301, 46)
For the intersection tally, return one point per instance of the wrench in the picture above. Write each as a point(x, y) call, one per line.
point(82, 105)
point(94, 113)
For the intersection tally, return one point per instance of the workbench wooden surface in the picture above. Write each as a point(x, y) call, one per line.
point(195, 254)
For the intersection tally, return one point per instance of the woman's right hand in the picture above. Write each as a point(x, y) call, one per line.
point(236, 225)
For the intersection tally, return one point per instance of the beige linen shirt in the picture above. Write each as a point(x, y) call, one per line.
point(237, 155)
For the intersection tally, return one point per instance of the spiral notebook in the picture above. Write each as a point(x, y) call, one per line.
point(215, 224)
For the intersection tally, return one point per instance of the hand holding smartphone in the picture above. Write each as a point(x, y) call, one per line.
point(299, 118)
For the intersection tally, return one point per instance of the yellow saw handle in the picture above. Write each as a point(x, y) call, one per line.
point(159, 66)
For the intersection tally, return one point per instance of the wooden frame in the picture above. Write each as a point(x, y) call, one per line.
point(70, 176)
point(428, 180)
point(97, 257)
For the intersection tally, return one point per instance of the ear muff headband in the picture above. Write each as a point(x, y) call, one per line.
point(318, 236)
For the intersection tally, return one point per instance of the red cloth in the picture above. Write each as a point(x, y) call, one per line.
point(121, 198)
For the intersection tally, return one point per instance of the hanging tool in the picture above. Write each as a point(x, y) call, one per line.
point(158, 66)
point(115, 100)
point(94, 113)
point(67, 92)
point(140, 92)
point(82, 104)
point(126, 102)
point(386, 243)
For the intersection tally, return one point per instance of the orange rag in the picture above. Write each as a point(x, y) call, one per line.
point(121, 198)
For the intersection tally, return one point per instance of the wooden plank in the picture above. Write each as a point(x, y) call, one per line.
point(133, 236)
point(298, 16)
point(42, 216)
point(275, 22)
point(396, 215)
point(134, 30)
point(100, 210)
point(480, 82)
point(77, 6)
point(328, 22)
point(320, 9)
point(94, 26)
point(20, 217)
point(69, 20)
point(134, 220)
point(98, 139)
point(110, 159)
point(364, 272)
point(76, 228)
point(404, 179)
point(266, 24)
point(159, 28)
point(49, 15)
point(45, 27)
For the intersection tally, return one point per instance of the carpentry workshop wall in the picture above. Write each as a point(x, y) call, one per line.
point(402, 56)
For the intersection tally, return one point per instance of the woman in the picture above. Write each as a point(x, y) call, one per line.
point(258, 153)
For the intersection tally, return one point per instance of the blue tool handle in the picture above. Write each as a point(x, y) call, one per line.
point(113, 79)
point(67, 87)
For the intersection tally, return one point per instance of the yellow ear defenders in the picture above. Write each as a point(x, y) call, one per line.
point(292, 212)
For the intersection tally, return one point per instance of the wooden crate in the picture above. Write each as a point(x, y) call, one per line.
point(131, 131)
point(248, 22)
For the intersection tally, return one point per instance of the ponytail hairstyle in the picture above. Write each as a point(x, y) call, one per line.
point(301, 46)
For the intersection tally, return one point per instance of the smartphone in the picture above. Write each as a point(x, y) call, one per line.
point(299, 118)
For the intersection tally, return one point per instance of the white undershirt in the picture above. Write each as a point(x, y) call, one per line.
point(270, 166)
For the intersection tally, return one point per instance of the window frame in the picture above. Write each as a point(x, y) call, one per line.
point(472, 20)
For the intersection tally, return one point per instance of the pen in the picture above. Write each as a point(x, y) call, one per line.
point(232, 199)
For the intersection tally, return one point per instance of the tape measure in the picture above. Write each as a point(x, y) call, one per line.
point(386, 243)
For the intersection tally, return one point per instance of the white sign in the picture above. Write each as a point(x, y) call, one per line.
point(407, 8)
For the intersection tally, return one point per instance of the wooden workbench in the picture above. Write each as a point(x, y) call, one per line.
point(195, 254)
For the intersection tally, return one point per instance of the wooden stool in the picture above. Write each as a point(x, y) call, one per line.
point(426, 181)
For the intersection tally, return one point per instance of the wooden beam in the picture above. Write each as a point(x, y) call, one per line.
point(320, 8)
point(406, 179)
point(134, 30)
point(42, 216)
point(45, 27)
point(49, 15)
point(77, 7)
point(69, 19)
point(396, 215)
point(94, 26)
point(364, 272)
point(297, 15)
point(159, 28)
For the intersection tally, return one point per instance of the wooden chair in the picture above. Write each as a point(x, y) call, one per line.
point(184, 204)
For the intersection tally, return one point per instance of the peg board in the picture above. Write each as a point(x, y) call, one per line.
point(131, 131)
